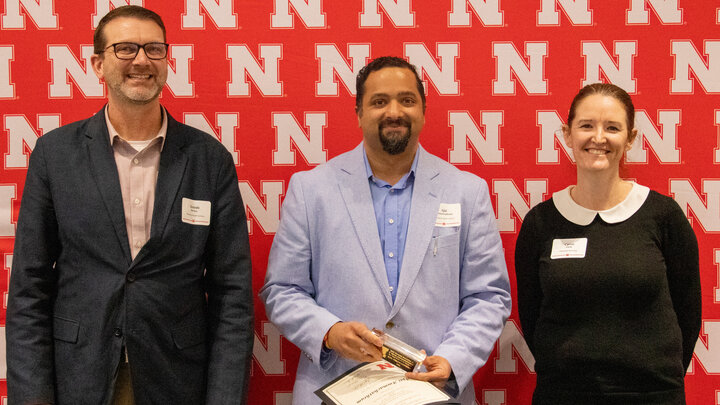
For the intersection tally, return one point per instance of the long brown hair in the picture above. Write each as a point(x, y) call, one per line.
point(605, 89)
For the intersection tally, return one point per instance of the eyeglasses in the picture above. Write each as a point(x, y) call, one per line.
point(129, 50)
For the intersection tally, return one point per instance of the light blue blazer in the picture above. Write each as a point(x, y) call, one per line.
point(326, 266)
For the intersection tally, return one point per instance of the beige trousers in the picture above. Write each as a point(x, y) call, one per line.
point(123, 394)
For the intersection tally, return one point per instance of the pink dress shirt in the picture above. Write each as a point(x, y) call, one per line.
point(138, 171)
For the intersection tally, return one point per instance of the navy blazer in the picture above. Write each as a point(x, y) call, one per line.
point(183, 306)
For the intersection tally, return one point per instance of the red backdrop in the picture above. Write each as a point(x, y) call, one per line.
point(273, 80)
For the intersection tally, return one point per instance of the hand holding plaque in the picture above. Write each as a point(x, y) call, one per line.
point(410, 359)
point(353, 340)
point(399, 353)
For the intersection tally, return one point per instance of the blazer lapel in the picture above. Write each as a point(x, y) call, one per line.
point(423, 212)
point(170, 175)
point(353, 183)
point(104, 170)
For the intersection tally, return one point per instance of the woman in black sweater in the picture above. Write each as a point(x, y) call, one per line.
point(607, 273)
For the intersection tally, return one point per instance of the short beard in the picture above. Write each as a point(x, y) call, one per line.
point(137, 98)
point(395, 145)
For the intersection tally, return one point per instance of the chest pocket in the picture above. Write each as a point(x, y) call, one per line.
point(443, 238)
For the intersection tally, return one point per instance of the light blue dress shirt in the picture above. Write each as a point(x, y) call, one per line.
point(392, 213)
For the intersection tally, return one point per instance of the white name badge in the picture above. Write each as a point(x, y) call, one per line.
point(568, 248)
point(448, 215)
point(195, 212)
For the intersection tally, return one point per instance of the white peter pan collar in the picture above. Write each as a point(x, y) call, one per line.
point(580, 215)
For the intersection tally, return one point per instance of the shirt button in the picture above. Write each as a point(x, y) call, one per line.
point(392, 191)
point(391, 289)
point(136, 161)
point(117, 332)
point(392, 221)
point(137, 201)
point(389, 325)
point(391, 254)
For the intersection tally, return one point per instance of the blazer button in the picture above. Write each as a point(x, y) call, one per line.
point(117, 332)
point(130, 277)
point(389, 325)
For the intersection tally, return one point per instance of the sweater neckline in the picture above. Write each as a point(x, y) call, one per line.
point(580, 215)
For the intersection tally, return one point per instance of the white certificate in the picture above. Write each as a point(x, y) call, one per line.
point(381, 383)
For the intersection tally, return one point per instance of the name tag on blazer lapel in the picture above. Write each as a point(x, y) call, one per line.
point(196, 212)
point(449, 215)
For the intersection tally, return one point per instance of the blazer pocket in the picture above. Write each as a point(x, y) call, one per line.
point(190, 331)
point(445, 236)
point(445, 247)
point(445, 231)
point(448, 240)
point(66, 330)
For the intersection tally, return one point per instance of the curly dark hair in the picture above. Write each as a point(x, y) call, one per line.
point(380, 63)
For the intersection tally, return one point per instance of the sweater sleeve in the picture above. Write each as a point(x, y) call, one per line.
point(529, 293)
point(680, 250)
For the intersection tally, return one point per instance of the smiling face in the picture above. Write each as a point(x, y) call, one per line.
point(391, 115)
point(598, 134)
point(137, 81)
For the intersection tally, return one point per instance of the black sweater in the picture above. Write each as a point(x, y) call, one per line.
point(618, 326)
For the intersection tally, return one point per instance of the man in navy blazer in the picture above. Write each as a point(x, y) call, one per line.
point(131, 278)
point(391, 237)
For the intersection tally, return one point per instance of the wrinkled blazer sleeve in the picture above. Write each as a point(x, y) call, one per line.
point(29, 322)
point(289, 292)
point(484, 294)
point(229, 292)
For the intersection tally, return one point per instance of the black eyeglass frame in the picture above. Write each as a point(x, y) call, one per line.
point(139, 46)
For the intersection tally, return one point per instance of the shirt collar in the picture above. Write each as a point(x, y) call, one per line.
point(403, 180)
point(580, 215)
point(161, 133)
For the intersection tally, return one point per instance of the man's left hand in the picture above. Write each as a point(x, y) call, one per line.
point(438, 371)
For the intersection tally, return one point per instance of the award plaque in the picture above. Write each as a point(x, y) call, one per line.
point(399, 353)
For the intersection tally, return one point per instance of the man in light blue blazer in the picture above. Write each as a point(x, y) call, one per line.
point(391, 237)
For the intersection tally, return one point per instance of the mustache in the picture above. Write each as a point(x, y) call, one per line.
point(400, 121)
